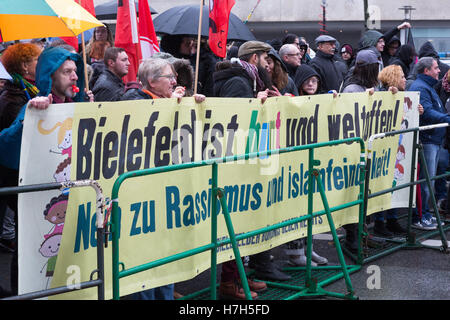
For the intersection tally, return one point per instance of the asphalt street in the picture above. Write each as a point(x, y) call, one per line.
point(406, 274)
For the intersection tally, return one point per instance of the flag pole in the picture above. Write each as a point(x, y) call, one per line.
point(198, 46)
point(86, 80)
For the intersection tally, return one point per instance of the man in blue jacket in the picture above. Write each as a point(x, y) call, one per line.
point(434, 112)
point(58, 72)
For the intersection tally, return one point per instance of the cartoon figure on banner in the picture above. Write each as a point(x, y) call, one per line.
point(401, 151)
point(49, 249)
point(55, 213)
point(62, 173)
point(64, 135)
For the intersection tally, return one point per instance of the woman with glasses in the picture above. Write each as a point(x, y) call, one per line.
point(159, 80)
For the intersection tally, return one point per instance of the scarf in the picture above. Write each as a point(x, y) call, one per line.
point(154, 96)
point(252, 71)
point(30, 89)
point(445, 83)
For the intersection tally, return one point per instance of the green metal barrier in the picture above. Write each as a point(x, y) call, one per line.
point(311, 288)
point(411, 240)
point(100, 281)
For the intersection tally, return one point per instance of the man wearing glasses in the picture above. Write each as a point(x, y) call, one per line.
point(109, 85)
point(291, 56)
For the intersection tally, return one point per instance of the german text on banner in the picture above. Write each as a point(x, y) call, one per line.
point(169, 213)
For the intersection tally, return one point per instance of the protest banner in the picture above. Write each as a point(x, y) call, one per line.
point(169, 213)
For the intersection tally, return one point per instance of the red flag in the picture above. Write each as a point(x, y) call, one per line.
point(89, 6)
point(219, 15)
point(147, 35)
point(127, 36)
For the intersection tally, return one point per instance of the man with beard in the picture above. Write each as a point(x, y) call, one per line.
point(59, 79)
point(246, 77)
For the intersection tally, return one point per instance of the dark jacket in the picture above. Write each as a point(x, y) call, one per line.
point(234, 81)
point(12, 98)
point(290, 88)
point(403, 58)
point(385, 54)
point(433, 113)
point(135, 94)
point(207, 65)
point(108, 87)
point(443, 95)
point(291, 70)
point(330, 74)
point(97, 68)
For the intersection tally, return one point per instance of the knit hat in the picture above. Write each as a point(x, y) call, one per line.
point(366, 57)
point(347, 48)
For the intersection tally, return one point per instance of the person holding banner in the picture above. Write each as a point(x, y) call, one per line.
point(59, 79)
point(158, 78)
point(246, 77)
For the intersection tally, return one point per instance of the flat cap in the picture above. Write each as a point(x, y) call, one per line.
point(252, 47)
point(324, 38)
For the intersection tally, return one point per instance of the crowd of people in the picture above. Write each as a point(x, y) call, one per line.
point(254, 69)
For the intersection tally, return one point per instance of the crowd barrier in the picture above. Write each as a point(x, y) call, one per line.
point(311, 287)
point(412, 240)
point(100, 202)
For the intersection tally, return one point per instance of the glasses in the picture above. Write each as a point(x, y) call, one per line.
point(168, 76)
point(294, 54)
point(312, 81)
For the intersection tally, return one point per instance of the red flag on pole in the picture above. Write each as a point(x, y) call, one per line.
point(147, 34)
point(219, 15)
point(89, 6)
point(127, 36)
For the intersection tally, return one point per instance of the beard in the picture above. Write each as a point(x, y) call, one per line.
point(264, 76)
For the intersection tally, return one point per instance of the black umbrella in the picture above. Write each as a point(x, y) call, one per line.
point(108, 10)
point(184, 20)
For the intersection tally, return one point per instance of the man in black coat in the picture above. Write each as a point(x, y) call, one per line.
point(109, 85)
point(324, 64)
point(242, 77)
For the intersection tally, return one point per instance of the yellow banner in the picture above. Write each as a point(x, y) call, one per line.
point(169, 213)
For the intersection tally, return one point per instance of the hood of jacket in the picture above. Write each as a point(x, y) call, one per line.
point(405, 54)
point(49, 61)
point(304, 72)
point(369, 39)
point(427, 50)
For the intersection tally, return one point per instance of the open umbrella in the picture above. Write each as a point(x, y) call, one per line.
point(25, 19)
point(108, 10)
point(184, 20)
